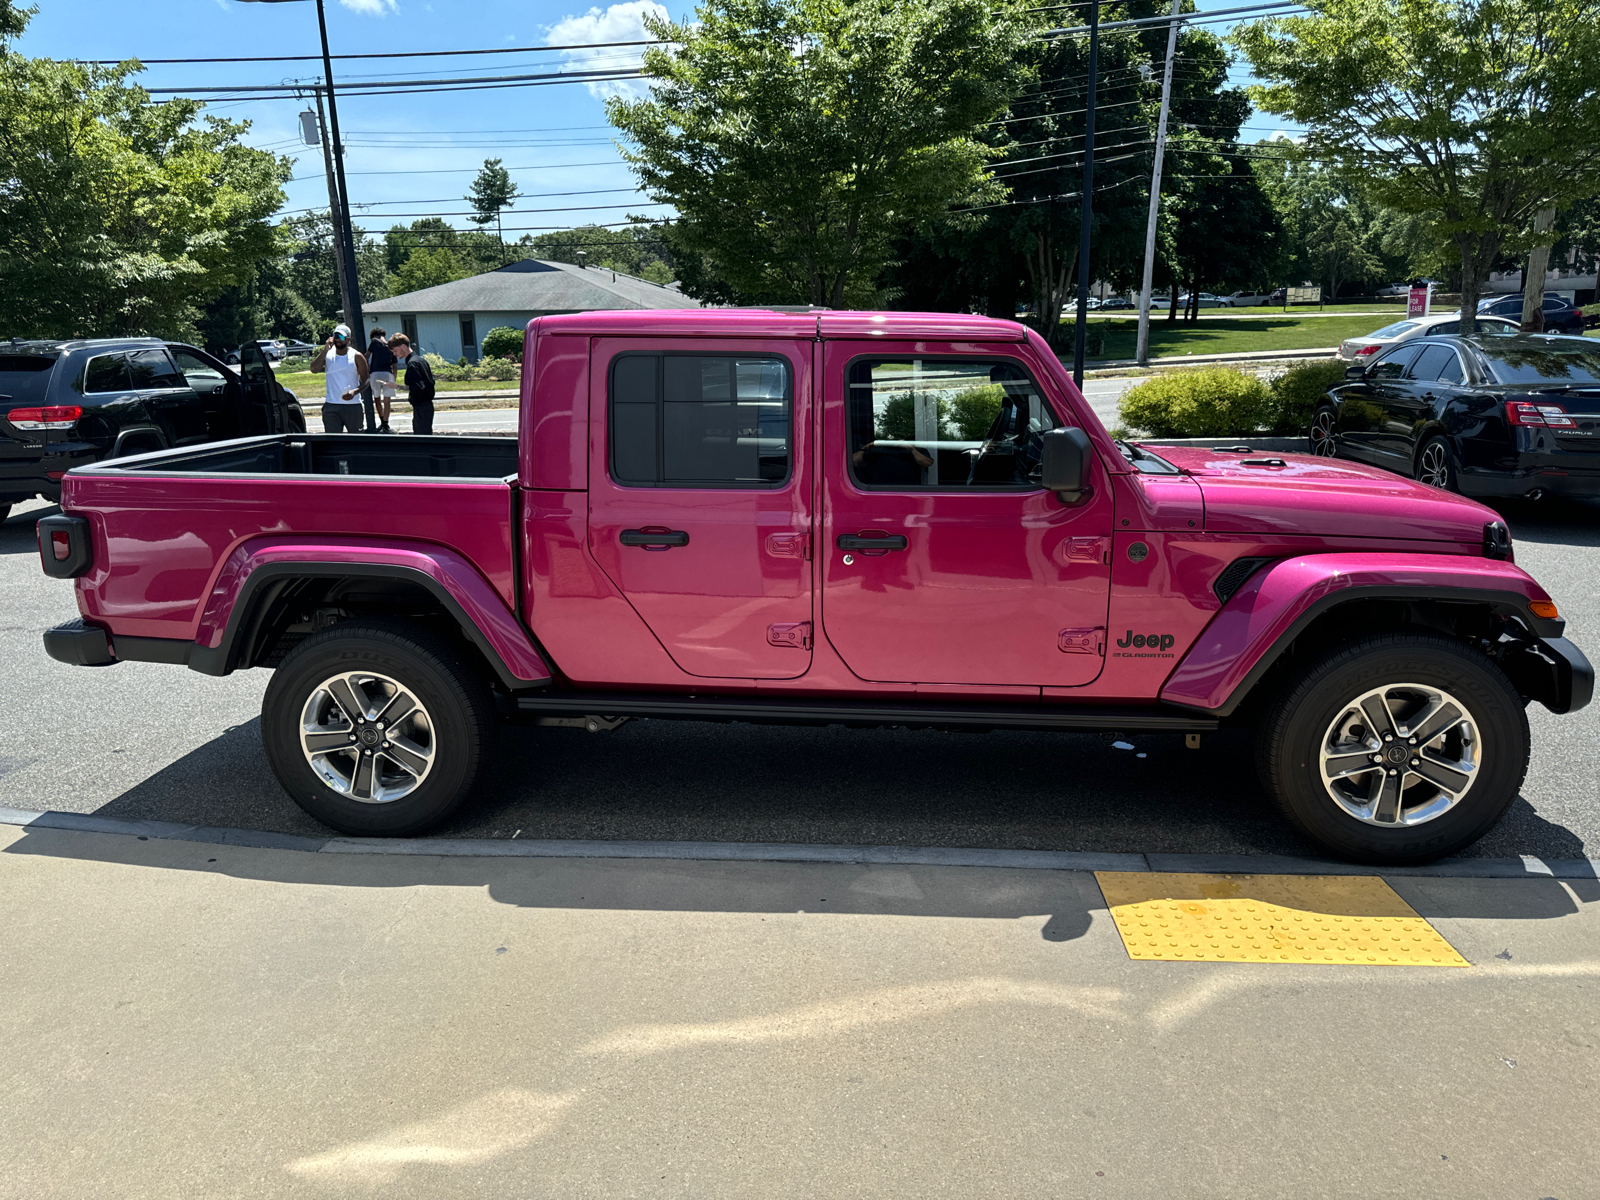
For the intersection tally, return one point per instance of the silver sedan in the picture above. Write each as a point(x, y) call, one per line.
point(1365, 349)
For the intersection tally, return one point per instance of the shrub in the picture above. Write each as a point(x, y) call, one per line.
point(973, 412)
point(1208, 402)
point(1094, 339)
point(503, 342)
point(1298, 391)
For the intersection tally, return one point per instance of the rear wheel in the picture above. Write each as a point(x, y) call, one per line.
point(1436, 464)
point(1397, 748)
point(1323, 439)
point(376, 728)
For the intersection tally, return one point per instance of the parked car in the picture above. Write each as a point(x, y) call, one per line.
point(1278, 296)
point(1365, 349)
point(1391, 290)
point(1207, 300)
point(1559, 315)
point(1485, 416)
point(409, 594)
point(273, 349)
point(293, 348)
point(65, 404)
point(1247, 299)
point(1118, 302)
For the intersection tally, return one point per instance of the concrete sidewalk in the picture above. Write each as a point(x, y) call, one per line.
point(195, 1018)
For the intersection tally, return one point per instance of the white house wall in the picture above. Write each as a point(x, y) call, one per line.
point(440, 333)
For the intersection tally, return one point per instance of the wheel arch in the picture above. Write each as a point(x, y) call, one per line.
point(268, 597)
point(1264, 630)
point(141, 433)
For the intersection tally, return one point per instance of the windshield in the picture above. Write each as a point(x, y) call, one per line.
point(1395, 330)
point(1546, 366)
point(24, 378)
point(1143, 461)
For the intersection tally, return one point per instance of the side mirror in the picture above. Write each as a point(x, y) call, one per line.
point(1355, 372)
point(1064, 461)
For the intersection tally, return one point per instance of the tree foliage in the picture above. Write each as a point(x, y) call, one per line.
point(117, 215)
point(1475, 113)
point(797, 137)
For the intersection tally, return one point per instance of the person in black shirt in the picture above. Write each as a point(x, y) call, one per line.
point(380, 378)
point(419, 382)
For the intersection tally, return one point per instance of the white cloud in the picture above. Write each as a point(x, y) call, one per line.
point(371, 8)
point(618, 23)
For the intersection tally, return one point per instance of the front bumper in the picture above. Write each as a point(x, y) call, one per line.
point(1552, 671)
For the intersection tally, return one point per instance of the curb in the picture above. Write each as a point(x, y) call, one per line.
point(1183, 360)
point(1526, 867)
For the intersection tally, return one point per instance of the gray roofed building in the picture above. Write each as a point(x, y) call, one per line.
point(452, 318)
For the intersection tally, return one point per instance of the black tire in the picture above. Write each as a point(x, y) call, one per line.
point(1292, 735)
point(1436, 464)
point(1321, 437)
point(457, 728)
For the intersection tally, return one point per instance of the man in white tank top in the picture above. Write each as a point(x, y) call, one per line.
point(346, 369)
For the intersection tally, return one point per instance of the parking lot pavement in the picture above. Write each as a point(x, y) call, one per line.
point(158, 742)
point(193, 1019)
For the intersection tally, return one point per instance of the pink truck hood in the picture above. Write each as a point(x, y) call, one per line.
point(1299, 493)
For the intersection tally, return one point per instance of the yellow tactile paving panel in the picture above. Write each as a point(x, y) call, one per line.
point(1341, 919)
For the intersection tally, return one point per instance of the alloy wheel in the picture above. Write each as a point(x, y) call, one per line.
point(1402, 754)
point(1322, 435)
point(1434, 467)
point(367, 737)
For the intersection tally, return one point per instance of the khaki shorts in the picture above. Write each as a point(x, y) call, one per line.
point(382, 383)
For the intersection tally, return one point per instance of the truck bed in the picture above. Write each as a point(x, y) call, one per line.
point(400, 457)
point(164, 525)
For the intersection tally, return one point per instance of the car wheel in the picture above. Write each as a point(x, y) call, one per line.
point(1401, 747)
point(1436, 464)
point(1324, 436)
point(375, 728)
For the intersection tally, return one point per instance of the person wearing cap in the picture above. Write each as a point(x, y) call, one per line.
point(346, 370)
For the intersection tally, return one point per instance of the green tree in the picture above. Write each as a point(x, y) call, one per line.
point(118, 215)
point(13, 21)
point(426, 269)
point(796, 138)
point(638, 250)
point(1478, 113)
point(1337, 251)
point(492, 193)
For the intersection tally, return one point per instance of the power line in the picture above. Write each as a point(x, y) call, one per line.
point(359, 88)
point(112, 62)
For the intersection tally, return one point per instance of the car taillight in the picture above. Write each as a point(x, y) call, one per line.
point(1543, 416)
point(1365, 350)
point(61, 416)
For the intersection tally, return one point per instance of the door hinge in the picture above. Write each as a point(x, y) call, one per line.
point(1086, 549)
point(796, 634)
point(789, 545)
point(1082, 641)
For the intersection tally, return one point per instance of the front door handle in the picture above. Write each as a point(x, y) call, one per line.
point(654, 537)
point(850, 541)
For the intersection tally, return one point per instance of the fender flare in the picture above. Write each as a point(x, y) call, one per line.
point(233, 610)
point(1251, 632)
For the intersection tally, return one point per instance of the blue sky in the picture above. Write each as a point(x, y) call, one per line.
point(554, 138)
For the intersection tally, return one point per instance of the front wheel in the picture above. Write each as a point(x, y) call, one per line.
point(376, 728)
point(1323, 434)
point(1398, 748)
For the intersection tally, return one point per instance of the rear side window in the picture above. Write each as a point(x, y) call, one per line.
point(1432, 361)
point(25, 378)
point(152, 369)
point(698, 420)
point(106, 373)
point(944, 423)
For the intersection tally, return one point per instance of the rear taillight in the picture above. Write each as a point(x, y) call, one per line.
point(1366, 350)
point(1542, 416)
point(61, 416)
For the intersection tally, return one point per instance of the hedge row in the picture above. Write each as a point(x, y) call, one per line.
point(1212, 402)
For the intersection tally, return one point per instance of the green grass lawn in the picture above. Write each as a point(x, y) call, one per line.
point(1236, 336)
point(307, 386)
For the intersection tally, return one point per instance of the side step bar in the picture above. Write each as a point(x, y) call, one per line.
point(792, 711)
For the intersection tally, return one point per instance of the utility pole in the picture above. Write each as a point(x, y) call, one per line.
point(1081, 329)
point(333, 211)
point(1143, 353)
point(352, 304)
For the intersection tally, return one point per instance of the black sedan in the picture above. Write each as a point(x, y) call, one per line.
point(1485, 416)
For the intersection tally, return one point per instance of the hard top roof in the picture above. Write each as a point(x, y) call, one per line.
point(782, 322)
point(62, 345)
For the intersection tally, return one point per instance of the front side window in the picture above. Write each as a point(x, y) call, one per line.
point(943, 423)
point(699, 420)
point(197, 372)
point(1393, 364)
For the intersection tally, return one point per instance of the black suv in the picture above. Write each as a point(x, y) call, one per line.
point(1500, 415)
point(67, 403)
point(1559, 315)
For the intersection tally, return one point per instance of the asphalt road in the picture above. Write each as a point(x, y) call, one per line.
point(158, 742)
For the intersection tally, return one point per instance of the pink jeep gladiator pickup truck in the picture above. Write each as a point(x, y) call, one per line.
point(814, 518)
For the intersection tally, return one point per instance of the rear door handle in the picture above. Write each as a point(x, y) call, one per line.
point(850, 541)
point(654, 537)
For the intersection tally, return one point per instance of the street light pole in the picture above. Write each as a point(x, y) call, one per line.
point(1142, 354)
point(334, 225)
point(1081, 327)
point(352, 313)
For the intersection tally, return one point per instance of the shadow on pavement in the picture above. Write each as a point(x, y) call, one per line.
point(1557, 521)
point(17, 533)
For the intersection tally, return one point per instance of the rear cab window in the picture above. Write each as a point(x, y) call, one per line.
point(106, 373)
